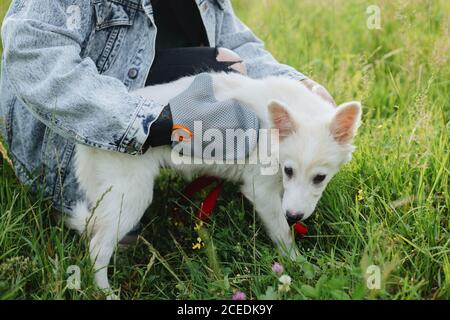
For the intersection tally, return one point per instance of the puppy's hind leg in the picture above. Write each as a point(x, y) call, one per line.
point(118, 213)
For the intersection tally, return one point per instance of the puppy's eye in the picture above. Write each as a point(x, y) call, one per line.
point(319, 178)
point(289, 172)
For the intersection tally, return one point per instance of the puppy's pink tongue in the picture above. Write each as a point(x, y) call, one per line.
point(300, 229)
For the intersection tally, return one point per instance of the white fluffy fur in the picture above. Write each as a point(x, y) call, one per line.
point(120, 186)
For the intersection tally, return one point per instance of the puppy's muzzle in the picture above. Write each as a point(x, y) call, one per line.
point(294, 217)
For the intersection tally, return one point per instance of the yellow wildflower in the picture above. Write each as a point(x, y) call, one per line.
point(360, 195)
point(198, 245)
point(198, 225)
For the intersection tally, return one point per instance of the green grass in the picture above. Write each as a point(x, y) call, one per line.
point(388, 207)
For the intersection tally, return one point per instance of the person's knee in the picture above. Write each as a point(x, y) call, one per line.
point(227, 55)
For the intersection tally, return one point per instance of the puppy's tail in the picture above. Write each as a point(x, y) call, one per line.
point(80, 219)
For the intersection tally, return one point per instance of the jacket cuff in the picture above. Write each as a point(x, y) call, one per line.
point(137, 133)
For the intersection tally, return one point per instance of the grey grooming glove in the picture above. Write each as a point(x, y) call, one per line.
point(206, 128)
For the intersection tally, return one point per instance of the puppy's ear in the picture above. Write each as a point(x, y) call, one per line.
point(346, 121)
point(281, 119)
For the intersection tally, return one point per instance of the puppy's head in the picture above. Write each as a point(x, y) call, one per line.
point(311, 152)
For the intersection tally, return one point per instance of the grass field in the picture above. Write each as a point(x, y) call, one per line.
point(388, 207)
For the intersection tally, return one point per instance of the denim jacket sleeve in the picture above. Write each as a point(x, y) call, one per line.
point(42, 60)
point(235, 35)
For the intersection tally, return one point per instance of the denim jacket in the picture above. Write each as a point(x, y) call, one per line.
point(67, 69)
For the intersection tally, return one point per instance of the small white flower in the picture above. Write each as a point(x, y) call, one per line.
point(285, 279)
point(285, 283)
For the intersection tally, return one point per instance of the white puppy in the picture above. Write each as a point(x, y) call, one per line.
point(315, 140)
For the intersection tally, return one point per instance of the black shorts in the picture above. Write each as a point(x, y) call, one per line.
point(172, 64)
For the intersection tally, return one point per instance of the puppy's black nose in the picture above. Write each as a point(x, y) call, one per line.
point(294, 217)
